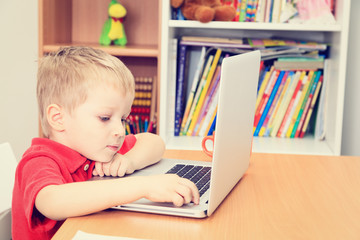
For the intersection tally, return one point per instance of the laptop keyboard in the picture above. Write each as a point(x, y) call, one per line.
point(197, 174)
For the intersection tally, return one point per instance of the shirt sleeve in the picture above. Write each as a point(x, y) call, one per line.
point(37, 174)
point(128, 144)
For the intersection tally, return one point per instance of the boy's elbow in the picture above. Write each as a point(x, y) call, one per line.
point(45, 203)
point(154, 140)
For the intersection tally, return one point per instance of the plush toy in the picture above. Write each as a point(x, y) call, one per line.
point(205, 10)
point(113, 29)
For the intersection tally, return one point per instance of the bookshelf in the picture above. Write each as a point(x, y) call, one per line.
point(79, 22)
point(334, 34)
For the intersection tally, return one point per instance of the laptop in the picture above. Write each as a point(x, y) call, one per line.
point(232, 143)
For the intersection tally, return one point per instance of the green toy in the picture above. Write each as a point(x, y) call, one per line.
point(113, 29)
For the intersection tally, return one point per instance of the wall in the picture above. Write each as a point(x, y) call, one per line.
point(351, 124)
point(18, 65)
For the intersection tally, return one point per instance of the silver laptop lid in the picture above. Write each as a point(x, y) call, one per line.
point(234, 124)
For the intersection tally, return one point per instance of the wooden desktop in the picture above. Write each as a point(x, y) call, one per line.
point(280, 197)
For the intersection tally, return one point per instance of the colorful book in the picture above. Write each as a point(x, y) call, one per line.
point(180, 88)
point(285, 102)
point(305, 108)
point(208, 99)
point(265, 98)
point(280, 100)
point(287, 117)
point(203, 92)
point(194, 86)
point(289, 123)
point(313, 102)
point(243, 11)
point(269, 103)
point(302, 100)
point(283, 75)
point(264, 82)
point(198, 92)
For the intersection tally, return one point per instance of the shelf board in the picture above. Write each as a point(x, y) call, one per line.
point(127, 51)
point(307, 145)
point(256, 26)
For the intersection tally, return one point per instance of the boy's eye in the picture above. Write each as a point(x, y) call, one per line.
point(104, 118)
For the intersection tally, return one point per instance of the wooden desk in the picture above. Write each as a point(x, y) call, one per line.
point(280, 197)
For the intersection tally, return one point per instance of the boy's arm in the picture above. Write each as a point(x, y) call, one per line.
point(59, 202)
point(147, 150)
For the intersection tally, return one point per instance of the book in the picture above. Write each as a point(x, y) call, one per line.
point(302, 103)
point(195, 84)
point(198, 92)
point(210, 115)
point(308, 103)
point(288, 81)
point(260, 11)
point(264, 82)
point(204, 91)
point(208, 99)
point(212, 39)
point(287, 117)
point(302, 94)
point(299, 65)
point(243, 11)
point(261, 107)
point(275, 14)
point(320, 124)
point(180, 87)
point(283, 76)
point(294, 79)
point(170, 117)
point(311, 109)
point(269, 102)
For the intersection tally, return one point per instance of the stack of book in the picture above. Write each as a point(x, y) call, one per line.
point(285, 102)
point(290, 80)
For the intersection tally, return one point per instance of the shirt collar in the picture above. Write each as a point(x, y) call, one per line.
point(70, 158)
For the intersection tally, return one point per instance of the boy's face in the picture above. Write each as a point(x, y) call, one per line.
point(96, 128)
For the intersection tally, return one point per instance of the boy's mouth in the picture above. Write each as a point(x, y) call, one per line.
point(114, 148)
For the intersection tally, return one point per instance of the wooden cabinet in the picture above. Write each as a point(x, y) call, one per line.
point(334, 34)
point(79, 22)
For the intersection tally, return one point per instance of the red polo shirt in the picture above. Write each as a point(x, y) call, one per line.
point(46, 163)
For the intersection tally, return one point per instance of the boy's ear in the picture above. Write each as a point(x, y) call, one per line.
point(55, 117)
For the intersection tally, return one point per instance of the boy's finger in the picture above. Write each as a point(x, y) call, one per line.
point(98, 168)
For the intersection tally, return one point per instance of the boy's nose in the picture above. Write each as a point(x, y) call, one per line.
point(119, 130)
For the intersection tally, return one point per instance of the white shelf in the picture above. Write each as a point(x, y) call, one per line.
point(256, 26)
point(306, 145)
point(336, 35)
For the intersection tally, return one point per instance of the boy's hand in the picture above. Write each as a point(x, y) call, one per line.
point(117, 167)
point(171, 188)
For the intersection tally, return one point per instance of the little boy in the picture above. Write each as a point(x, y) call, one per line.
point(85, 96)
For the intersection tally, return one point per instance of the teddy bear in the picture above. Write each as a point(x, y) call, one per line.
point(205, 10)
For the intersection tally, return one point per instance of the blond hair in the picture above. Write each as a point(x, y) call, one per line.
point(65, 76)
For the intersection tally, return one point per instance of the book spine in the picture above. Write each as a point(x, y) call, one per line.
point(180, 89)
point(194, 86)
point(198, 92)
point(304, 93)
point(264, 131)
point(208, 100)
point(280, 102)
point(313, 102)
point(294, 79)
point(204, 91)
point(265, 98)
point(293, 106)
point(286, 119)
point(268, 104)
point(308, 103)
